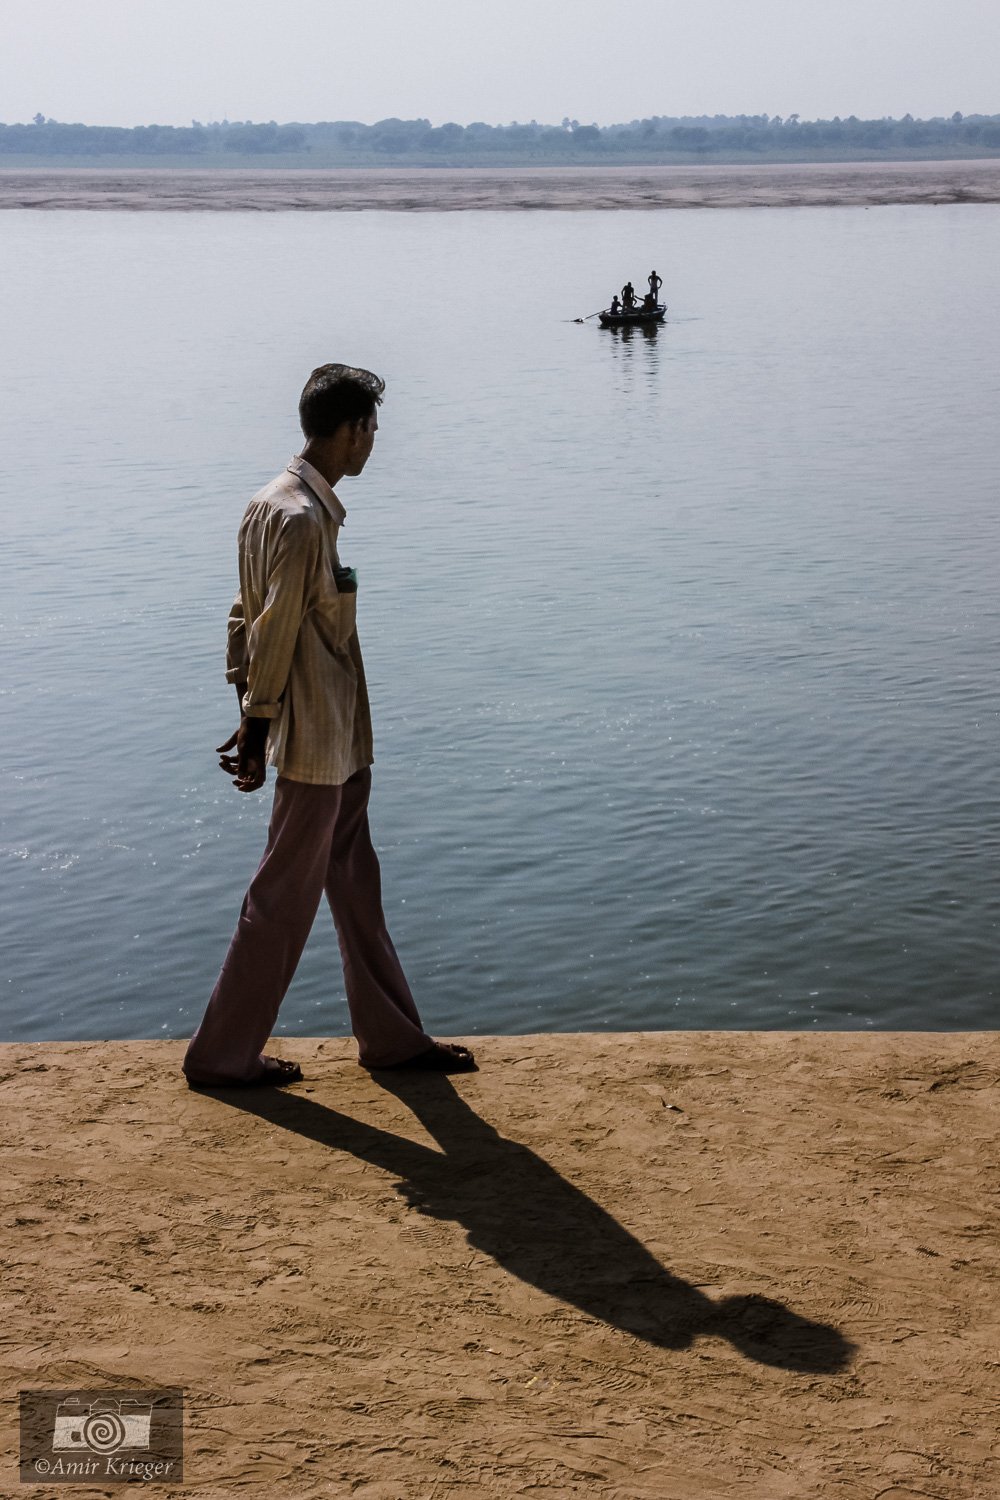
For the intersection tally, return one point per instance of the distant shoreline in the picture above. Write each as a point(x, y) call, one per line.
point(451, 189)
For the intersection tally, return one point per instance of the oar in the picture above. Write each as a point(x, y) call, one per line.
point(589, 316)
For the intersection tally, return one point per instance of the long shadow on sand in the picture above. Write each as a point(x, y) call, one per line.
point(517, 1209)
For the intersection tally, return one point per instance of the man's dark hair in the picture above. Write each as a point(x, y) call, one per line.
point(335, 394)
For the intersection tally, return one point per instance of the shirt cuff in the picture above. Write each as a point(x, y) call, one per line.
point(236, 674)
point(260, 710)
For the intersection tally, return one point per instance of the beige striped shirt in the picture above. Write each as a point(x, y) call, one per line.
point(292, 636)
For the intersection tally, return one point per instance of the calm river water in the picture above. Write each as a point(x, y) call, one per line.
point(683, 651)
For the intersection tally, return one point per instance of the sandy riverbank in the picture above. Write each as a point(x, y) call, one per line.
point(658, 1266)
point(856, 183)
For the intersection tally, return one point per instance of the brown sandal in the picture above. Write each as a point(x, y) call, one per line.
point(284, 1071)
point(439, 1057)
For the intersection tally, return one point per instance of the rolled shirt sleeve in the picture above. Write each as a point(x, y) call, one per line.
point(270, 642)
point(237, 655)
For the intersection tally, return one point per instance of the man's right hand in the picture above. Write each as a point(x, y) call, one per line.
point(247, 767)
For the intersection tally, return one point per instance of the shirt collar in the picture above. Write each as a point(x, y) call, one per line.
point(314, 479)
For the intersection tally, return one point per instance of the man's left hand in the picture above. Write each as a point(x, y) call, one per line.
point(247, 767)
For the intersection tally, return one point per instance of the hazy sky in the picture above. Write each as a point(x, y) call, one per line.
point(127, 62)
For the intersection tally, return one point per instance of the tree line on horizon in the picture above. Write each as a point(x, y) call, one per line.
point(412, 140)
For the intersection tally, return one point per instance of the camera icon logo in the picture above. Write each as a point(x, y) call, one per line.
point(102, 1427)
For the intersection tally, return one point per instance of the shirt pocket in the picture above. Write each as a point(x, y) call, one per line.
point(335, 615)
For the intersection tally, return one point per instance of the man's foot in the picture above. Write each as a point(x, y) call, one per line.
point(439, 1057)
point(277, 1072)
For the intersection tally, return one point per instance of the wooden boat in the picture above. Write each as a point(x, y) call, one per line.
point(639, 317)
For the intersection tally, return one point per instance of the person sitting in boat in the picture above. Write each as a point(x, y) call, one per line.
point(655, 282)
point(616, 306)
point(649, 302)
point(628, 296)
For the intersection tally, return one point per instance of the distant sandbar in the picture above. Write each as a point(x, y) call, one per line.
point(423, 189)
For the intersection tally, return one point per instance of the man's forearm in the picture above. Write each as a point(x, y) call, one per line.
point(256, 728)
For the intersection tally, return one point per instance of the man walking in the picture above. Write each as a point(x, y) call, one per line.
point(294, 657)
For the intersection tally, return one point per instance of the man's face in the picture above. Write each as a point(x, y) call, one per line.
point(362, 442)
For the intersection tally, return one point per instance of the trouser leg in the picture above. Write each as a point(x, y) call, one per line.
point(384, 1016)
point(277, 913)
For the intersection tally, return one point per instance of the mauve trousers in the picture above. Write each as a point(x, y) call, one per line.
point(317, 840)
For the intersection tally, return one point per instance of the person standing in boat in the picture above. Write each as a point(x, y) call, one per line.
point(655, 282)
point(628, 296)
